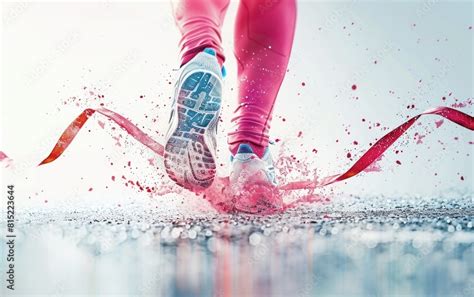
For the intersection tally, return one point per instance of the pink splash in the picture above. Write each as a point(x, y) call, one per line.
point(3, 156)
point(439, 123)
point(375, 166)
point(219, 193)
point(151, 161)
point(5, 160)
point(465, 103)
point(419, 138)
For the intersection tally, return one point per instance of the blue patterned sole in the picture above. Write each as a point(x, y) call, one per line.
point(188, 159)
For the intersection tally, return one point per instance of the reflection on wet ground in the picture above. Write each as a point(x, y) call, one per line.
point(352, 249)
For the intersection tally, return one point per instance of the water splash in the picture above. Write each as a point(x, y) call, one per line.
point(219, 194)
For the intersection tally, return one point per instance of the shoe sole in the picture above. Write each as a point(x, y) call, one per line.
point(188, 158)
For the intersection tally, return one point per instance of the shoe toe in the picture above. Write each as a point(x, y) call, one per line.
point(258, 199)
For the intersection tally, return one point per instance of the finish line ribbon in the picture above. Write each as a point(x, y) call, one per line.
point(370, 156)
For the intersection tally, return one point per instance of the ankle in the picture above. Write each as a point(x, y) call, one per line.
point(189, 55)
point(258, 149)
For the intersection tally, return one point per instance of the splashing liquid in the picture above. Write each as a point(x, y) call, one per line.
point(219, 193)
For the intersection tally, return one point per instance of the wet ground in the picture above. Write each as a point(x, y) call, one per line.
point(349, 247)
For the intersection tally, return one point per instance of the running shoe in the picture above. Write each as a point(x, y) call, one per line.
point(253, 182)
point(190, 149)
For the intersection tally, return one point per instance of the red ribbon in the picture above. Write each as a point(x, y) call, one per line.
point(374, 152)
point(71, 131)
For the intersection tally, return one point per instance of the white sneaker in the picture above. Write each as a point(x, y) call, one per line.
point(253, 181)
point(190, 150)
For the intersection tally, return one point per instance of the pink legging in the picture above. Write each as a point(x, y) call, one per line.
point(263, 35)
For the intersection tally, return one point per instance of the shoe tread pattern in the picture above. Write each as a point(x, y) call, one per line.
point(188, 159)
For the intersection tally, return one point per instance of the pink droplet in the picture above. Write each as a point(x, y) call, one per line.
point(3, 156)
